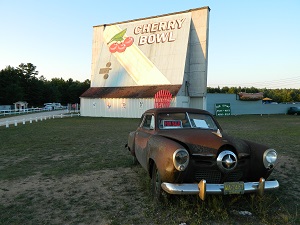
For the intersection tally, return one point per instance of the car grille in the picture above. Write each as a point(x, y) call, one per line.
point(215, 176)
point(210, 176)
point(234, 176)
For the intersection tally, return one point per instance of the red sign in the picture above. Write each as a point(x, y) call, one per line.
point(172, 123)
point(162, 99)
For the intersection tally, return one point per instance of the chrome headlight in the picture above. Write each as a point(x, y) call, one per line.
point(269, 158)
point(181, 159)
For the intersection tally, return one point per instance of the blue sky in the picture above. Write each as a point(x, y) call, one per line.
point(251, 43)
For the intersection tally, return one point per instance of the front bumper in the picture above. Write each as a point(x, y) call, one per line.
point(202, 188)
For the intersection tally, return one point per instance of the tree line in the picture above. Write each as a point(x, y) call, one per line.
point(23, 84)
point(277, 95)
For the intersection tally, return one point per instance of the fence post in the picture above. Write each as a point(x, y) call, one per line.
point(30, 120)
point(36, 119)
point(23, 121)
point(7, 124)
point(16, 124)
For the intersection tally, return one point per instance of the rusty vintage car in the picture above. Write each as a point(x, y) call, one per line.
point(185, 151)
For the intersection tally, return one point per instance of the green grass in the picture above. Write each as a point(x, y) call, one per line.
point(77, 171)
point(62, 146)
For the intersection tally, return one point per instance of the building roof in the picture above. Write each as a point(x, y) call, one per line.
point(129, 92)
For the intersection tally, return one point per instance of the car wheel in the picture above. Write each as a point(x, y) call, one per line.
point(156, 184)
point(134, 160)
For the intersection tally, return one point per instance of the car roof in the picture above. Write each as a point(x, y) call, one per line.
point(176, 110)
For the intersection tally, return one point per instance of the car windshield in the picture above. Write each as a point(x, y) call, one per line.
point(185, 120)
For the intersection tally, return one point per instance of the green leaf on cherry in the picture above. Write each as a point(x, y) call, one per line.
point(118, 37)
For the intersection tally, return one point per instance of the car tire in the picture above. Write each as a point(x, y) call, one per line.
point(156, 189)
point(134, 160)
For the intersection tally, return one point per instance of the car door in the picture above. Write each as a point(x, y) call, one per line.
point(144, 132)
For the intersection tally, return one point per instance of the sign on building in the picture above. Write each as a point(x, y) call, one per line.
point(223, 109)
point(134, 58)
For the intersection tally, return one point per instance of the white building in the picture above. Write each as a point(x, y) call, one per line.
point(133, 60)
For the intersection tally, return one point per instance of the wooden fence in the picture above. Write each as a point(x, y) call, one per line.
point(19, 112)
point(14, 122)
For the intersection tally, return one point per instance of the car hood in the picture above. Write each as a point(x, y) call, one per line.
point(205, 142)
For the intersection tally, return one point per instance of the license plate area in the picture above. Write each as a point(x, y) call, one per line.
point(233, 188)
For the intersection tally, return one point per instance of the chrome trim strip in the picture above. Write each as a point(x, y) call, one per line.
point(190, 189)
point(204, 155)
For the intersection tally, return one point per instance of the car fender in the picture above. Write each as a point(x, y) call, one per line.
point(160, 151)
point(257, 168)
point(131, 143)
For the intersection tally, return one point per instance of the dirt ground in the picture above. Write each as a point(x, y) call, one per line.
point(287, 173)
point(68, 200)
point(101, 197)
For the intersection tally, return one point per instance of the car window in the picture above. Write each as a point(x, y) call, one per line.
point(202, 121)
point(141, 121)
point(148, 122)
point(185, 120)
